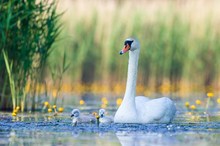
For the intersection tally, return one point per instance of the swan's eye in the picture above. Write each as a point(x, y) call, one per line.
point(128, 42)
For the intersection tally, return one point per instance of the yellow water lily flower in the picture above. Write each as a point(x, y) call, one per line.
point(119, 101)
point(198, 102)
point(17, 108)
point(81, 102)
point(46, 103)
point(192, 107)
point(49, 110)
point(60, 109)
point(15, 111)
point(54, 106)
point(210, 94)
point(14, 114)
point(187, 104)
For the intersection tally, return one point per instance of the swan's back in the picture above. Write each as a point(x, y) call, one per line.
point(161, 110)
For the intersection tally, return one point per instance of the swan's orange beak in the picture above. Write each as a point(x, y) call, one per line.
point(125, 49)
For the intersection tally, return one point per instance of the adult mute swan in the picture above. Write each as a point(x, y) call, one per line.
point(141, 109)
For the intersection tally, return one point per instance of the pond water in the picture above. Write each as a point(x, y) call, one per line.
point(188, 128)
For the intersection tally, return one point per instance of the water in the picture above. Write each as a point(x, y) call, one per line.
point(46, 129)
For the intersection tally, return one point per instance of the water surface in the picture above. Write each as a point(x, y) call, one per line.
point(38, 128)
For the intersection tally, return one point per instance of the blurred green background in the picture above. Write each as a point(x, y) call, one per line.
point(179, 42)
point(180, 49)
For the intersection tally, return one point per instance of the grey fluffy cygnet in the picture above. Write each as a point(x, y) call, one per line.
point(78, 118)
point(103, 118)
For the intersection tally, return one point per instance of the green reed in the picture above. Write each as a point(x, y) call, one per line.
point(174, 48)
point(27, 31)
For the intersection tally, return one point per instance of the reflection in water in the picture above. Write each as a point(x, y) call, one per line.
point(75, 134)
point(142, 138)
point(44, 129)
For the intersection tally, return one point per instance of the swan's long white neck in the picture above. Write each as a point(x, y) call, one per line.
point(130, 92)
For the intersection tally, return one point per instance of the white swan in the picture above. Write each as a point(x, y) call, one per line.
point(78, 118)
point(140, 109)
point(103, 118)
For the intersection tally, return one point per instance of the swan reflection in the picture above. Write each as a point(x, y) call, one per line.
point(144, 139)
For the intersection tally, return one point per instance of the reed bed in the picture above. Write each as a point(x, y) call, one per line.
point(27, 32)
point(179, 43)
point(179, 50)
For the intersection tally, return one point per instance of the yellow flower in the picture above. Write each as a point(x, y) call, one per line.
point(218, 100)
point(210, 94)
point(15, 111)
point(198, 102)
point(187, 104)
point(14, 114)
point(54, 106)
point(192, 107)
point(119, 101)
point(46, 103)
point(81, 102)
point(17, 108)
point(60, 109)
point(49, 110)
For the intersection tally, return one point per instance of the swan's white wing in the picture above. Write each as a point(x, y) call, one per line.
point(160, 110)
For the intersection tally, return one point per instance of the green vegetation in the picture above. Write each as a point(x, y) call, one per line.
point(179, 43)
point(179, 48)
point(27, 32)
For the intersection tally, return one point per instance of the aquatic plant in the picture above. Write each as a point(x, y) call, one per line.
point(60, 109)
point(57, 74)
point(81, 102)
point(175, 49)
point(209, 96)
point(27, 31)
point(118, 101)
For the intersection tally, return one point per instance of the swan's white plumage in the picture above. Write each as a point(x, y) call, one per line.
point(140, 109)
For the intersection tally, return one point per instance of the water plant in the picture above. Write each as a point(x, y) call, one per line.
point(28, 29)
point(175, 49)
point(57, 74)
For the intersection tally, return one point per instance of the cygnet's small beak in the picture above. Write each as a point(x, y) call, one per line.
point(72, 115)
point(125, 49)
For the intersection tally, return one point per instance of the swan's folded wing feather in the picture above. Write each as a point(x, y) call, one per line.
point(156, 110)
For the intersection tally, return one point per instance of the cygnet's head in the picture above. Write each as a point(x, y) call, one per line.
point(130, 44)
point(101, 113)
point(75, 113)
